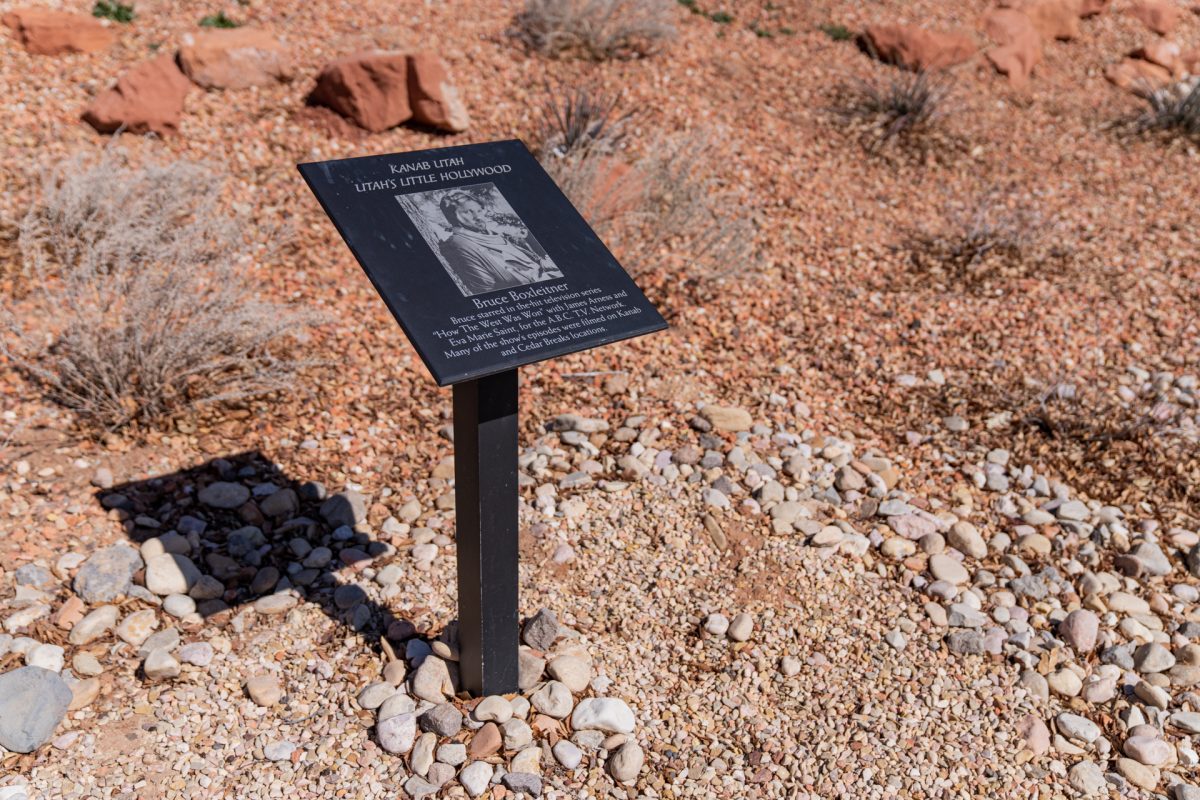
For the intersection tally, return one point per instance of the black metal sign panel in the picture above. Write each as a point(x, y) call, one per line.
point(483, 261)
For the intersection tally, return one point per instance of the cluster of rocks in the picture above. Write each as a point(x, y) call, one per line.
point(376, 91)
point(422, 715)
point(1019, 31)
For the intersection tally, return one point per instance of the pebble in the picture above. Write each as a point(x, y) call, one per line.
point(945, 568)
point(1149, 750)
point(553, 699)
point(1153, 657)
point(523, 783)
point(452, 753)
point(137, 627)
point(279, 751)
point(198, 654)
point(179, 605)
point(33, 701)
point(608, 714)
point(1081, 729)
point(396, 734)
point(486, 741)
point(264, 690)
point(493, 708)
point(517, 734)
point(716, 624)
point(567, 754)
point(443, 719)
point(528, 760)
point(432, 681)
point(107, 574)
point(1140, 775)
point(373, 695)
point(160, 665)
point(1079, 630)
point(1064, 682)
point(476, 777)
point(1087, 778)
point(46, 656)
point(789, 666)
point(541, 630)
point(625, 764)
point(740, 627)
point(224, 495)
point(420, 759)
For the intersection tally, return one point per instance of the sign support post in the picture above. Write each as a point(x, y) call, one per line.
point(485, 496)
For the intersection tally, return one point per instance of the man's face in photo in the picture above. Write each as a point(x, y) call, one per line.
point(471, 214)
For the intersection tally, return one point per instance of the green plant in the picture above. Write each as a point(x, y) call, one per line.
point(720, 17)
point(839, 33)
point(218, 20)
point(597, 29)
point(141, 303)
point(115, 10)
point(901, 107)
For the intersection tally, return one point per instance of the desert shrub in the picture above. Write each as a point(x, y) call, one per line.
point(116, 11)
point(598, 29)
point(1173, 110)
point(140, 303)
point(902, 107)
point(997, 234)
point(580, 118)
point(666, 210)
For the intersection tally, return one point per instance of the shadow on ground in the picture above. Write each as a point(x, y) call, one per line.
point(257, 536)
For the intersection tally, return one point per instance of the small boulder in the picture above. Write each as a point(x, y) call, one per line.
point(916, 48)
point(107, 574)
point(1018, 47)
point(146, 99)
point(434, 98)
point(46, 32)
point(1160, 16)
point(169, 573)
point(234, 58)
point(369, 89)
point(727, 418)
point(607, 714)
point(1053, 19)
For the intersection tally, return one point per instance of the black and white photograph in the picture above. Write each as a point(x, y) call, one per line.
point(480, 241)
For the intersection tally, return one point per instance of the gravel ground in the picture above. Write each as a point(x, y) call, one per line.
point(850, 684)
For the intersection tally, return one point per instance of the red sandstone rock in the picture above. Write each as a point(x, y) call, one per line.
point(147, 98)
point(1018, 47)
point(916, 48)
point(1160, 16)
point(1053, 19)
point(370, 89)
point(1138, 76)
point(1090, 8)
point(234, 58)
point(45, 32)
point(434, 98)
point(1164, 53)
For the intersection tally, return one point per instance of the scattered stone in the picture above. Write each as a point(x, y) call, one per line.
point(494, 708)
point(523, 783)
point(486, 741)
point(137, 627)
point(1138, 774)
point(476, 777)
point(625, 764)
point(46, 32)
point(198, 654)
point(727, 418)
point(945, 568)
point(1153, 657)
point(434, 98)
point(553, 699)
point(1081, 729)
point(160, 665)
point(107, 574)
point(32, 703)
point(443, 719)
point(432, 681)
point(716, 624)
point(1087, 778)
point(170, 573)
point(918, 49)
point(224, 494)
point(96, 624)
point(740, 627)
point(567, 754)
point(279, 751)
point(344, 508)
point(541, 630)
point(264, 690)
point(1034, 733)
point(234, 58)
point(396, 734)
point(607, 714)
point(1079, 630)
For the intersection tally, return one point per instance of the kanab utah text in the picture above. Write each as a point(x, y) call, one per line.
point(430, 177)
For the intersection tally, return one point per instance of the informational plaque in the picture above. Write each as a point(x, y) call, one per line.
point(483, 261)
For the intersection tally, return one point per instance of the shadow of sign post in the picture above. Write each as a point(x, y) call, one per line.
point(487, 267)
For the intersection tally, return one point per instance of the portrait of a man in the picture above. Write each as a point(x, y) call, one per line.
point(481, 242)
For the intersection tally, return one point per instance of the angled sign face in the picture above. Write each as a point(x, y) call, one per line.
point(480, 257)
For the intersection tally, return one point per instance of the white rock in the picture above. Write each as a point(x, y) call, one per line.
point(476, 777)
point(96, 624)
point(493, 709)
point(625, 764)
point(396, 734)
point(171, 573)
point(608, 714)
point(553, 699)
point(46, 656)
point(716, 624)
point(567, 754)
point(572, 671)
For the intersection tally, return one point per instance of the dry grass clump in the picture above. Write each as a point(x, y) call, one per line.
point(1171, 111)
point(666, 210)
point(901, 108)
point(597, 29)
point(577, 119)
point(997, 235)
point(140, 306)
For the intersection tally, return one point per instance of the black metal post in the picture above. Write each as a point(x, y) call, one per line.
point(485, 494)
